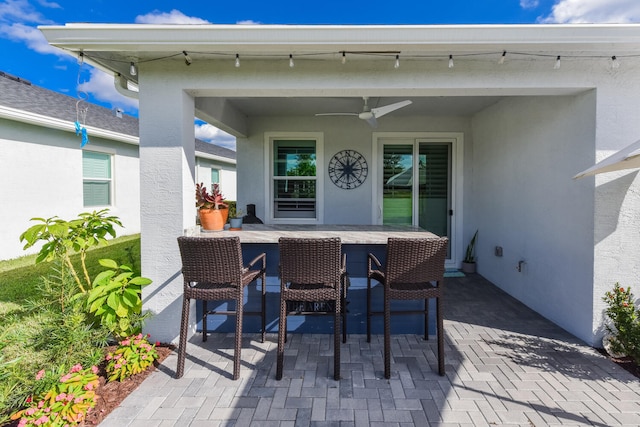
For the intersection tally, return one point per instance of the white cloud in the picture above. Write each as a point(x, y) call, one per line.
point(529, 4)
point(594, 11)
point(49, 4)
point(101, 86)
point(173, 17)
point(30, 36)
point(248, 22)
point(212, 134)
point(21, 11)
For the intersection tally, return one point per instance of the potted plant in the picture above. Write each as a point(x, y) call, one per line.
point(469, 261)
point(235, 220)
point(212, 210)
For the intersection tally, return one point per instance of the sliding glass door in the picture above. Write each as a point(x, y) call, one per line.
point(416, 184)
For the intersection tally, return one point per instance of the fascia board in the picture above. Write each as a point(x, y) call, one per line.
point(220, 159)
point(64, 125)
point(137, 38)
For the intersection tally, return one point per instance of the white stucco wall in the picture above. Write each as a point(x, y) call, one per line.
point(525, 152)
point(340, 206)
point(228, 185)
point(41, 176)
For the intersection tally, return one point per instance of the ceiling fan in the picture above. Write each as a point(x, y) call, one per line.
point(371, 114)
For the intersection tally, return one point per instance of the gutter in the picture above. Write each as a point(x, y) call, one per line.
point(120, 82)
point(64, 125)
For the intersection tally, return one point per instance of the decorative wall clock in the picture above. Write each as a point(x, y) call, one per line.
point(348, 169)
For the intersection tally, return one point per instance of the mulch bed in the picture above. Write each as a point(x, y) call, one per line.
point(626, 363)
point(111, 394)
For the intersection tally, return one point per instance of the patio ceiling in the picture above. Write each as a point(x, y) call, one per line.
point(309, 106)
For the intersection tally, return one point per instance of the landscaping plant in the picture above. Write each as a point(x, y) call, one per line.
point(625, 321)
point(63, 322)
point(133, 355)
point(65, 403)
point(63, 238)
point(116, 299)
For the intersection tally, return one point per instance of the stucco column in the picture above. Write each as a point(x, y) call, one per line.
point(166, 200)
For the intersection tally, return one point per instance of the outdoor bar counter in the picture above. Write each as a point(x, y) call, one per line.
point(349, 234)
point(357, 242)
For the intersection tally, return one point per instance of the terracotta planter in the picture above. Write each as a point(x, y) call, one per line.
point(213, 219)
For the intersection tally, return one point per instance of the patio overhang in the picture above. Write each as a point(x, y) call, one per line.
point(139, 42)
point(113, 47)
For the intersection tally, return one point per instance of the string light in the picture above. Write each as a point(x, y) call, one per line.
point(558, 64)
point(614, 61)
point(344, 57)
point(187, 58)
point(615, 64)
point(503, 57)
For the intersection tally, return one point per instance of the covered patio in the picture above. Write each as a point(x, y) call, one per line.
point(514, 111)
point(506, 365)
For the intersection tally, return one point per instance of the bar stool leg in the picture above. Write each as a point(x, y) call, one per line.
point(182, 346)
point(368, 309)
point(440, 336)
point(204, 320)
point(282, 333)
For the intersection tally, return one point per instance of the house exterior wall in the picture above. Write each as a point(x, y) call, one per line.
point(576, 238)
point(41, 176)
point(525, 152)
point(227, 182)
point(340, 206)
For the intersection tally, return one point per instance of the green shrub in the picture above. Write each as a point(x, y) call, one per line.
point(133, 355)
point(63, 238)
point(116, 299)
point(625, 317)
point(44, 320)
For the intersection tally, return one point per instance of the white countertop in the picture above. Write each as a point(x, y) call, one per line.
point(349, 234)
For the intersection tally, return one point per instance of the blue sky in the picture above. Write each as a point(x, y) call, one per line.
point(27, 55)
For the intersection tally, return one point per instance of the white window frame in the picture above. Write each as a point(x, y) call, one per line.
point(112, 195)
point(212, 169)
point(269, 138)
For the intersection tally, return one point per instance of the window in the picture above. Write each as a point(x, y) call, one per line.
point(294, 179)
point(215, 176)
point(96, 178)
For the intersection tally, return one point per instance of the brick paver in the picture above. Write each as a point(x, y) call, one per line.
point(506, 366)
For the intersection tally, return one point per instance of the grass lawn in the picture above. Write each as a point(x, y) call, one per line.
point(23, 346)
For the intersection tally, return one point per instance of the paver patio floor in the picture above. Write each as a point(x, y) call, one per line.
point(506, 366)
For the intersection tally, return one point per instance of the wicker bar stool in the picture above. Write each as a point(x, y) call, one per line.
point(414, 270)
point(311, 270)
point(213, 271)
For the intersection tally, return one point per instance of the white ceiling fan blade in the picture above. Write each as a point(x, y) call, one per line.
point(386, 109)
point(336, 114)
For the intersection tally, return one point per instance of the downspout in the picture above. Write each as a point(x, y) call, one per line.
point(123, 88)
